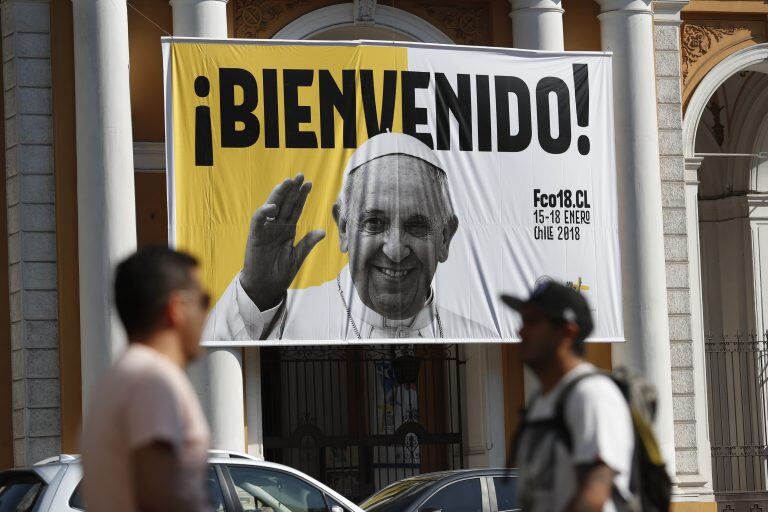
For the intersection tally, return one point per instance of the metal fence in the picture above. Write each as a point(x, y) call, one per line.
point(358, 418)
point(737, 379)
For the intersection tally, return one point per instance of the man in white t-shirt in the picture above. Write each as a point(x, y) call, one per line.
point(577, 459)
point(145, 438)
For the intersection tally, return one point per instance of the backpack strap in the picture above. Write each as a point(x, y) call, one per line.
point(561, 403)
point(557, 421)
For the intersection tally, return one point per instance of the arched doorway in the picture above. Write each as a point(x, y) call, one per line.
point(726, 134)
point(343, 22)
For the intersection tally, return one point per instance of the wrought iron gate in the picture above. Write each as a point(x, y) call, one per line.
point(360, 417)
point(737, 375)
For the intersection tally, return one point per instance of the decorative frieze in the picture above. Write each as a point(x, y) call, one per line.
point(262, 18)
point(698, 40)
point(464, 22)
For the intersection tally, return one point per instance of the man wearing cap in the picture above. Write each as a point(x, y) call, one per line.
point(396, 222)
point(576, 441)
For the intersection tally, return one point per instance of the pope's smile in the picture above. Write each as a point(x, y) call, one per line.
point(393, 273)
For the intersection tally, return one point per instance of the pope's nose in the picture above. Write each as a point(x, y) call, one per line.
point(395, 247)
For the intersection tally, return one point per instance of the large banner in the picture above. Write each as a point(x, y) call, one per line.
point(339, 192)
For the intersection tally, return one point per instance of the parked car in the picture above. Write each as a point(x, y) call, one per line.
point(471, 490)
point(236, 483)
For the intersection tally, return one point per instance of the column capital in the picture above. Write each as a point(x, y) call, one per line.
point(537, 5)
point(633, 6)
point(200, 18)
point(537, 24)
point(667, 12)
point(692, 165)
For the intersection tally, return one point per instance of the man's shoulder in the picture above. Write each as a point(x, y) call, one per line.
point(596, 393)
point(592, 382)
point(142, 367)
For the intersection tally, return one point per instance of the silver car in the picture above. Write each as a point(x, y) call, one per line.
point(236, 483)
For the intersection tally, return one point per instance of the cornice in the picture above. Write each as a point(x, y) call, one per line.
point(667, 12)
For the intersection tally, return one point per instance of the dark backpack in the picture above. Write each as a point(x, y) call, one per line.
point(649, 482)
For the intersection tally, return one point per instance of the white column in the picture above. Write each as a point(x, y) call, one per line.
point(483, 387)
point(200, 18)
point(537, 24)
point(627, 31)
point(105, 192)
point(253, 401)
point(703, 445)
point(218, 378)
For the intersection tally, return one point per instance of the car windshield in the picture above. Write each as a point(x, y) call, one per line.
point(398, 496)
point(19, 492)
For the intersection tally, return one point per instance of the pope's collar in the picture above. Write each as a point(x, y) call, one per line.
point(361, 312)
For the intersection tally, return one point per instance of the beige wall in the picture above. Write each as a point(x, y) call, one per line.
point(65, 173)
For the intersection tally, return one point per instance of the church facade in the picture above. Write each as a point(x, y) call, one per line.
point(85, 184)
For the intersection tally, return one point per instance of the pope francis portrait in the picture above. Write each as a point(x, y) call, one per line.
point(396, 221)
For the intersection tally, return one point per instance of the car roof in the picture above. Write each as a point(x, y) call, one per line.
point(46, 473)
point(420, 486)
point(427, 481)
point(457, 474)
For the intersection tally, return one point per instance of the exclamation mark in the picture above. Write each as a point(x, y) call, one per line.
point(203, 138)
point(581, 82)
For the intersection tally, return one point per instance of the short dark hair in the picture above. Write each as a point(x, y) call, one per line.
point(144, 283)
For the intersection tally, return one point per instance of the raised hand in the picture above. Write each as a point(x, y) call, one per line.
point(271, 258)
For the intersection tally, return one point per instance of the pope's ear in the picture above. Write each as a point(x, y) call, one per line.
point(449, 229)
point(341, 223)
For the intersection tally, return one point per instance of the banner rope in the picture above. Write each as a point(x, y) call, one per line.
point(161, 29)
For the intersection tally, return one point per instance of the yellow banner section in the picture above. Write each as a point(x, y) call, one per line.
point(214, 202)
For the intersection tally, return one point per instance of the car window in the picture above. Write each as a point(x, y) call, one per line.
point(333, 503)
point(506, 493)
point(463, 496)
point(215, 496)
point(400, 495)
point(19, 492)
point(266, 490)
point(76, 500)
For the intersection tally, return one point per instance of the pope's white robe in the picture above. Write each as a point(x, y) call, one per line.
point(319, 313)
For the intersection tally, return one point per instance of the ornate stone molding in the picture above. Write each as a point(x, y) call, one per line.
point(464, 23)
point(256, 18)
point(699, 39)
point(365, 12)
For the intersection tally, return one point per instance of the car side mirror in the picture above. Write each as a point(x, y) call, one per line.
point(336, 508)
